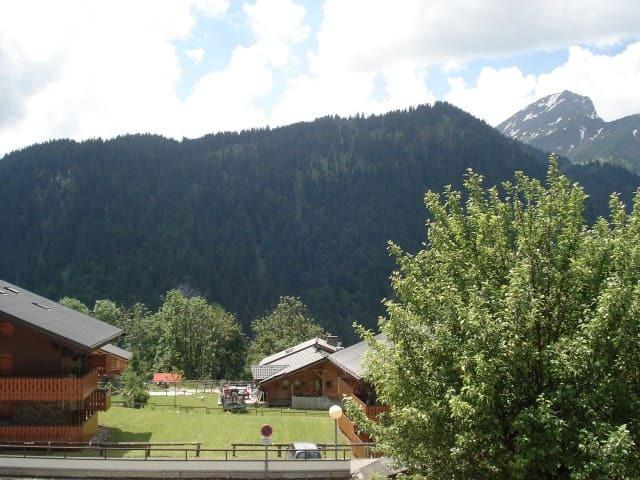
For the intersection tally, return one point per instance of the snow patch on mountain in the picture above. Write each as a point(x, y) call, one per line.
point(551, 101)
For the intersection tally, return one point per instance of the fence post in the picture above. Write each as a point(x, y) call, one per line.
point(198, 450)
point(233, 445)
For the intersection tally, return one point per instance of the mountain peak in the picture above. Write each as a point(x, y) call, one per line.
point(555, 123)
point(567, 123)
point(582, 105)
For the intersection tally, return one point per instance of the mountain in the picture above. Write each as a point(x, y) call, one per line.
point(243, 218)
point(567, 123)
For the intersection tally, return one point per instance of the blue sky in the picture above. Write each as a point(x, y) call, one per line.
point(93, 68)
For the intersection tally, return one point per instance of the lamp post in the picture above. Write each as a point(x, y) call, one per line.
point(335, 412)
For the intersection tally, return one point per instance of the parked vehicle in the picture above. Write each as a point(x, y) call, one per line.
point(303, 451)
point(234, 398)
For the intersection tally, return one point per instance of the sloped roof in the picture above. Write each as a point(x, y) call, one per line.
point(260, 372)
point(53, 319)
point(280, 357)
point(117, 351)
point(298, 360)
point(350, 358)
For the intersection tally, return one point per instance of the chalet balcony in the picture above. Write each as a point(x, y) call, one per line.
point(371, 411)
point(47, 389)
point(98, 401)
point(80, 430)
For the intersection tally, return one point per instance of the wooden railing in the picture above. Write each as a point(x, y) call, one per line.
point(47, 389)
point(98, 401)
point(374, 411)
point(371, 411)
point(349, 429)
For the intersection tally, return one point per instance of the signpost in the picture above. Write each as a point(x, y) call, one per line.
point(266, 431)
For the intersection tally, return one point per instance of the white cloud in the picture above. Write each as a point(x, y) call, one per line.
point(83, 68)
point(99, 68)
point(362, 35)
point(212, 8)
point(611, 81)
point(277, 25)
point(195, 54)
point(361, 40)
point(497, 94)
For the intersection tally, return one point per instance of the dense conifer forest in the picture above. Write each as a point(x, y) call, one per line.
point(244, 218)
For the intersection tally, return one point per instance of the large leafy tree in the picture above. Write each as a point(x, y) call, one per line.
point(513, 342)
point(198, 338)
point(107, 311)
point(288, 324)
point(74, 304)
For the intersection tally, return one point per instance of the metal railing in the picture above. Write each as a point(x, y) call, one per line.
point(251, 410)
point(106, 452)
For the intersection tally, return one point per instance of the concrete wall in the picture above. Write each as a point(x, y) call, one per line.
point(311, 403)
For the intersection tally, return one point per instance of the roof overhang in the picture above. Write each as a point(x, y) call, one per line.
point(60, 338)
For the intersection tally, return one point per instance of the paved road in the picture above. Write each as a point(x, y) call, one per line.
point(160, 469)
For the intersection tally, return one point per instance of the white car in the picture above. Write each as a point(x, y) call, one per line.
point(303, 451)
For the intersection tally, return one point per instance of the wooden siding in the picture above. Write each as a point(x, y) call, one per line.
point(109, 366)
point(44, 433)
point(321, 379)
point(47, 389)
point(33, 353)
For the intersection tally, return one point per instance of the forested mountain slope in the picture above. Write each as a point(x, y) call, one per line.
point(243, 218)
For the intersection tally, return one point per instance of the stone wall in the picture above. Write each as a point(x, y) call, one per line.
point(38, 413)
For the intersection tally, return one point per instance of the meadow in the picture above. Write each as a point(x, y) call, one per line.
point(160, 421)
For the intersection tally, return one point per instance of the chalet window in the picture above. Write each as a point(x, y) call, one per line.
point(6, 364)
point(6, 410)
point(6, 329)
point(329, 384)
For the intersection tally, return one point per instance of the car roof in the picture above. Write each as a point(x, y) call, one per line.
point(304, 446)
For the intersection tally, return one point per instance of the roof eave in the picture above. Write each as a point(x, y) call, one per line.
point(61, 338)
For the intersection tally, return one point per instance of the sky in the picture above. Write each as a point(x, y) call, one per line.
point(183, 68)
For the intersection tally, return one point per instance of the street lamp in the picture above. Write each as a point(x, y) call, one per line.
point(335, 412)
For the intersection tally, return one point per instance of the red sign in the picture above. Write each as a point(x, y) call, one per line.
point(266, 430)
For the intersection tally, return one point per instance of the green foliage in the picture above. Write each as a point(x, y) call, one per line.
point(512, 344)
point(288, 324)
point(74, 304)
point(133, 384)
point(108, 312)
point(243, 217)
point(198, 338)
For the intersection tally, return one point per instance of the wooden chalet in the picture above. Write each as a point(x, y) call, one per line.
point(110, 361)
point(48, 375)
point(315, 374)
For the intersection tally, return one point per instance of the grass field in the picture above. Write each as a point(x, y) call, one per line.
point(159, 422)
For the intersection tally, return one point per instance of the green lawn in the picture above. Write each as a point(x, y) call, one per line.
point(215, 429)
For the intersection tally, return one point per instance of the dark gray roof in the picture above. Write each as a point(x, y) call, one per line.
point(53, 319)
point(260, 372)
point(117, 351)
point(350, 358)
point(314, 344)
point(299, 360)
